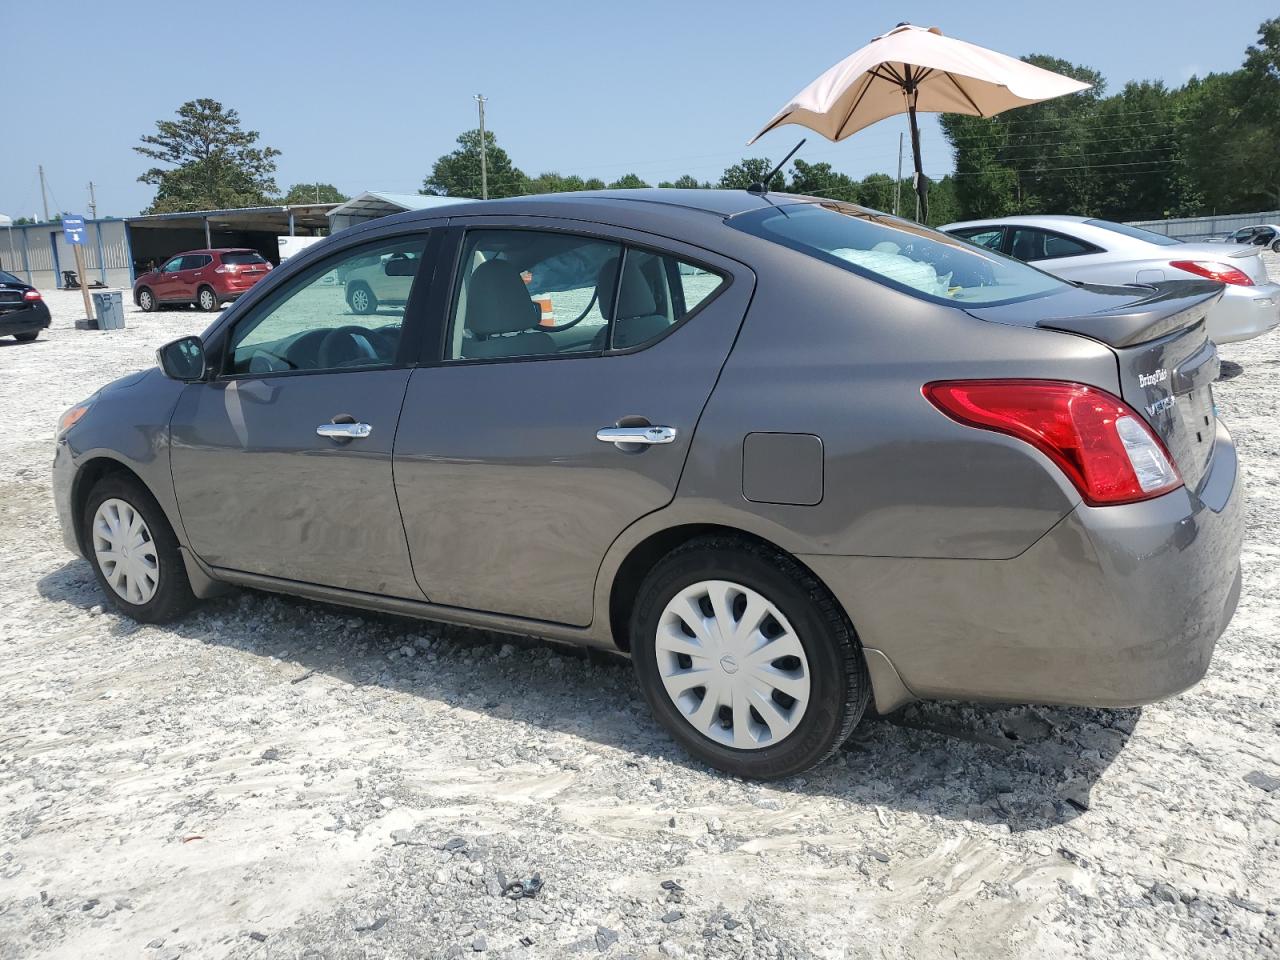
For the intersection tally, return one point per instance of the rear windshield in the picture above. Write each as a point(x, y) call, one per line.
point(899, 253)
point(242, 259)
point(1135, 233)
point(8, 278)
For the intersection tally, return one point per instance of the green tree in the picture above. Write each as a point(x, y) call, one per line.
point(593, 183)
point(683, 182)
point(629, 181)
point(944, 205)
point(876, 191)
point(745, 175)
point(820, 180)
point(314, 193)
point(457, 174)
point(213, 163)
point(555, 183)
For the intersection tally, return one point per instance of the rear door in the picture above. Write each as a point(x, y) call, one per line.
point(195, 267)
point(509, 499)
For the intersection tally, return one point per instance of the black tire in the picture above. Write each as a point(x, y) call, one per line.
point(210, 303)
point(173, 596)
point(840, 688)
point(1275, 246)
point(26, 337)
point(360, 299)
point(146, 303)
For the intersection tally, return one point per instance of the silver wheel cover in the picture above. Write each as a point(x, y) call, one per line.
point(360, 299)
point(723, 651)
point(125, 552)
point(144, 299)
point(206, 299)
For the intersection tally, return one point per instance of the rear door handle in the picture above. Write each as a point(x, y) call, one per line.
point(646, 435)
point(344, 431)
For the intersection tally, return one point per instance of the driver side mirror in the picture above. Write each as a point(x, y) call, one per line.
point(183, 359)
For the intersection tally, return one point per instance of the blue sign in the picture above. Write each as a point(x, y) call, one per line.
point(73, 229)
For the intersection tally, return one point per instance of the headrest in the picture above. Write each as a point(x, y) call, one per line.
point(498, 301)
point(636, 299)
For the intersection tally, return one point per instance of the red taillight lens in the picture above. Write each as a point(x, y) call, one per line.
point(31, 295)
point(224, 268)
point(1214, 271)
point(1097, 439)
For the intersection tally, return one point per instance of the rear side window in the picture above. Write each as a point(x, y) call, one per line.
point(989, 237)
point(242, 259)
point(898, 253)
point(656, 292)
point(1031, 243)
point(194, 261)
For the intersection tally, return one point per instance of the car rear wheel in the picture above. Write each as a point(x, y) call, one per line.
point(146, 300)
point(207, 300)
point(747, 659)
point(134, 551)
point(361, 299)
point(26, 337)
point(1275, 246)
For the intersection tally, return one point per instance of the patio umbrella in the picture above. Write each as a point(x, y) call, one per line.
point(914, 69)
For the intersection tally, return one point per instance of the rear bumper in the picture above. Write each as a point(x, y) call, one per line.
point(1245, 312)
point(1115, 606)
point(33, 317)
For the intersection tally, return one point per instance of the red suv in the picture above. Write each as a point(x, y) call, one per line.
point(206, 278)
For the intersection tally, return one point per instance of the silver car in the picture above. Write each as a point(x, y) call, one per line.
point(792, 456)
point(1087, 250)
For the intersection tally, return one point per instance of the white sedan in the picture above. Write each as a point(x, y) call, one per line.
point(1085, 250)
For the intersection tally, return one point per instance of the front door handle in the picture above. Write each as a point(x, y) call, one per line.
point(344, 431)
point(643, 434)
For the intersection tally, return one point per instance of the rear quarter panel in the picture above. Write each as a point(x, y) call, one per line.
point(826, 352)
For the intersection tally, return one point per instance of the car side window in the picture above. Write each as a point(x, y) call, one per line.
point(983, 237)
point(173, 266)
point(655, 293)
point(344, 313)
point(532, 293)
point(1030, 243)
point(195, 261)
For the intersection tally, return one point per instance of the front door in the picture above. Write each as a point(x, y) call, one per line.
point(167, 285)
point(282, 463)
point(510, 501)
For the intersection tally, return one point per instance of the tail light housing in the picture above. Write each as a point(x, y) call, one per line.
point(1223, 273)
point(225, 268)
point(1101, 443)
point(31, 295)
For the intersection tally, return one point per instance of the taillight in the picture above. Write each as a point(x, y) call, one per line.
point(224, 268)
point(1097, 439)
point(1214, 271)
point(31, 295)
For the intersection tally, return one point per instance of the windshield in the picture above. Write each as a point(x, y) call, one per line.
point(1135, 233)
point(899, 253)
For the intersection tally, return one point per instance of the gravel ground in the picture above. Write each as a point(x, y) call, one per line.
point(276, 778)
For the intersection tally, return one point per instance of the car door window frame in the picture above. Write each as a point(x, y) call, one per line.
point(968, 233)
point(219, 342)
point(437, 348)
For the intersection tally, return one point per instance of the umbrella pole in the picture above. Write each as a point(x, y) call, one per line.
point(921, 189)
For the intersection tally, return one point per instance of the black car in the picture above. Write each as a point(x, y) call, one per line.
point(23, 312)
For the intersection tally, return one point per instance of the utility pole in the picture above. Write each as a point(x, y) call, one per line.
point(93, 203)
point(484, 151)
point(897, 183)
point(43, 199)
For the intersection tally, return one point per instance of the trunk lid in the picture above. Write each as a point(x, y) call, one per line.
point(1167, 364)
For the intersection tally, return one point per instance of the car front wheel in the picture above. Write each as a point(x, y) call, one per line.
point(134, 552)
point(1275, 246)
point(146, 300)
point(361, 299)
point(746, 658)
point(26, 337)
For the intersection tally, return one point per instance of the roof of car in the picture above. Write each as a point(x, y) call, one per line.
point(1017, 218)
point(719, 203)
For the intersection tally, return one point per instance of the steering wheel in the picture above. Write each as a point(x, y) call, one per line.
point(347, 346)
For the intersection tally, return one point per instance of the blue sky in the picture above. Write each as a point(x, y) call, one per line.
point(367, 95)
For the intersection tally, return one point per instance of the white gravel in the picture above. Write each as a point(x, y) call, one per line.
point(276, 778)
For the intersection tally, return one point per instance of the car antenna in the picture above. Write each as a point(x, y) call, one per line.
point(760, 186)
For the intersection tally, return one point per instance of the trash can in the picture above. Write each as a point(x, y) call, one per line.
point(109, 306)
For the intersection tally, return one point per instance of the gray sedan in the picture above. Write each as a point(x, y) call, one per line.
point(1099, 251)
point(791, 456)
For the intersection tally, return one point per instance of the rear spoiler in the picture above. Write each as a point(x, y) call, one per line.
point(1171, 305)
